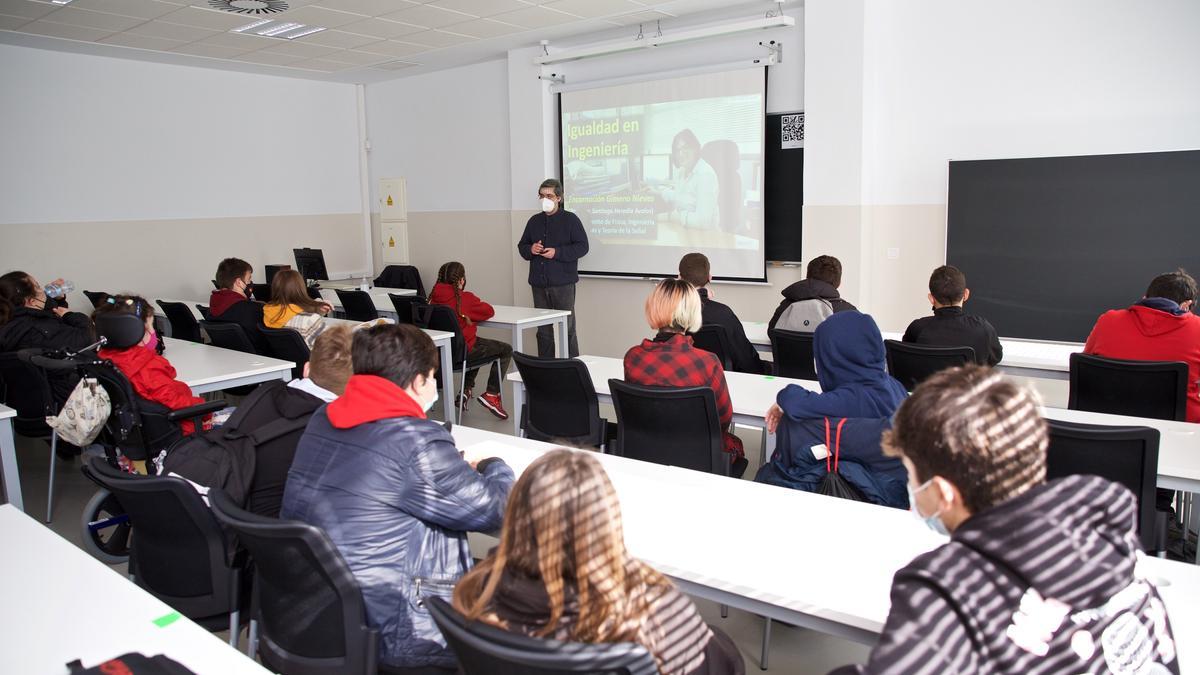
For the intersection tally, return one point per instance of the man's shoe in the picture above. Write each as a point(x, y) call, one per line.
point(492, 402)
point(463, 399)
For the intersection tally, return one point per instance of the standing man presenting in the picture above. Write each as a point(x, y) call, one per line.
point(553, 243)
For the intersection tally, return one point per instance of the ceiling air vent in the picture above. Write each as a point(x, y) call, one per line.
point(249, 6)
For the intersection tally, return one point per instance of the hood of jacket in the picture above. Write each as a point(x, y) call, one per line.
point(1158, 316)
point(809, 289)
point(849, 354)
point(441, 294)
point(132, 359)
point(524, 601)
point(223, 299)
point(370, 398)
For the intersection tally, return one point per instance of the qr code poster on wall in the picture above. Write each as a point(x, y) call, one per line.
point(792, 131)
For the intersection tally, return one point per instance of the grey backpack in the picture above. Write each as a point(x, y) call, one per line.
point(805, 315)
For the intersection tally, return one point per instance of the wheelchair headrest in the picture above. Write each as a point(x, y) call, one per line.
point(120, 330)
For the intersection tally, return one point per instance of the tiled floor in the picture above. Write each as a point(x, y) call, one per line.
point(793, 650)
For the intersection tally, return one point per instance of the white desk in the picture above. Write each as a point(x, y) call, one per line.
point(206, 368)
point(8, 458)
point(379, 296)
point(521, 318)
point(1024, 358)
point(831, 572)
point(751, 395)
point(61, 604)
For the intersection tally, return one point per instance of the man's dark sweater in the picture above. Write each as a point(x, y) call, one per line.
point(562, 232)
point(744, 357)
point(952, 327)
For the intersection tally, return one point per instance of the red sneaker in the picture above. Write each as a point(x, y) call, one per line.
point(492, 402)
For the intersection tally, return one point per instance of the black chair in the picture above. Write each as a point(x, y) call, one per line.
point(793, 353)
point(1154, 389)
point(203, 309)
point(401, 276)
point(677, 426)
point(715, 339)
point(560, 401)
point(1125, 455)
point(441, 317)
point(405, 306)
point(487, 650)
point(228, 335)
point(183, 322)
point(179, 554)
point(288, 345)
point(96, 297)
point(357, 305)
point(912, 363)
point(25, 388)
point(308, 615)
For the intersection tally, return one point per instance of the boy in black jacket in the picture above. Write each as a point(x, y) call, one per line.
point(950, 326)
point(694, 268)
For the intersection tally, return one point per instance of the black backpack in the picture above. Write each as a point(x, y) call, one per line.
point(833, 484)
point(224, 457)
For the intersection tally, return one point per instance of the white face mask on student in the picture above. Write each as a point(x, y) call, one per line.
point(548, 205)
point(933, 522)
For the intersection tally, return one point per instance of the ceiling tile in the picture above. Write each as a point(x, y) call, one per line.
point(337, 38)
point(318, 16)
point(213, 51)
point(380, 28)
point(394, 48)
point(12, 22)
point(140, 9)
point(172, 31)
point(438, 38)
point(640, 17)
point(240, 41)
point(141, 42)
point(365, 7)
point(428, 16)
point(484, 28)
point(480, 7)
point(269, 59)
point(594, 8)
point(89, 19)
point(210, 19)
point(535, 17)
point(322, 65)
point(26, 9)
point(297, 48)
point(356, 58)
point(62, 30)
point(395, 65)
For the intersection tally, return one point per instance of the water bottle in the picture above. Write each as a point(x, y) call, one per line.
point(54, 290)
point(363, 286)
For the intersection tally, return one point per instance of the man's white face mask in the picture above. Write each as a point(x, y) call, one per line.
point(547, 205)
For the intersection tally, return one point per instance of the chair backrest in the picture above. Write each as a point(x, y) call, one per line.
point(228, 335)
point(911, 364)
point(715, 340)
point(560, 401)
point(203, 309)
point(288, 345)
point(486, 650)
point(96, 297)
point(793, 354)
point(183, 323)
point(179, 553)
point(1154, 389)
point(307, 602)
point(441, 317)
point(678, 426)
point(138, 427)
point(404, 305)
point(1125, 455)
point(401, 276)
point(357, 305)
point(25, 388)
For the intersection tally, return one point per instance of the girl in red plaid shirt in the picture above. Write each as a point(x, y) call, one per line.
point(670, 359)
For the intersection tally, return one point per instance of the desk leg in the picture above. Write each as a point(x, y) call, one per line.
point(518, 342)
point(8, 462)
point(564, 349)
point(768, 446)
point(447, 382)
point(518, 402)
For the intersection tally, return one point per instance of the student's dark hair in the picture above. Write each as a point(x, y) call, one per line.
point(125, 303)
point(395, 352)
point(15, 288)
point(452, 273)
point(947, 285)
point(975, 428)
point(230, 270)
point(695, 269)
point(825, 268)
point(551, 183)
point(1178, 286)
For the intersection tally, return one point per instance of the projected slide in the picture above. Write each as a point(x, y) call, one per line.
point(658, 169)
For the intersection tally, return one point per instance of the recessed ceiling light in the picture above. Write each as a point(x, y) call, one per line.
point(288, 30)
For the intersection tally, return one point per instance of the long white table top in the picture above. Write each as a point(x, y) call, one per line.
point(61, 604)
point(508, 315)
point(821, 557)
point(205, 367)
point(379, 296)
point(436, 335)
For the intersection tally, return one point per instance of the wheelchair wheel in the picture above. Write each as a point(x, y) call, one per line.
point(106, 529)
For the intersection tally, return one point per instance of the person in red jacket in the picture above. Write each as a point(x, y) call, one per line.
point(152, 375)
point(1159, 327)
point(450, 290)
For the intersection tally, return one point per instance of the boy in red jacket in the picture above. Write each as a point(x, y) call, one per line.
point(1160, 327)
point(468, 308)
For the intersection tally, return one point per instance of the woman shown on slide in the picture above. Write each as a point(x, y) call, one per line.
point(693, 195)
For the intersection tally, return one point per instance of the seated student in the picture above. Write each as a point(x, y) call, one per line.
point(694, 269)
point(950, 326)
point(450, 290)
point(291, 307)
point(806, 303)
point(561, 571)
point(851, 367)
point(670, 359)
point(232, 301)
point(1159, 327)
point(1036, 577)
point(151, 375)
point(392, 492)
point(27, 321)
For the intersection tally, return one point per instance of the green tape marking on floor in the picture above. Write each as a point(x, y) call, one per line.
point(167, 619)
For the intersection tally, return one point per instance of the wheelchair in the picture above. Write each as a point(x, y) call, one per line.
point(136, 430)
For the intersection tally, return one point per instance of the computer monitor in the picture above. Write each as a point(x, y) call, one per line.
point(311, 263)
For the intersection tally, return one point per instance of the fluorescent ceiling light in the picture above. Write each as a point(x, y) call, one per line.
point(288, 30)
point(61, 2)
